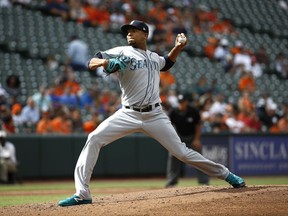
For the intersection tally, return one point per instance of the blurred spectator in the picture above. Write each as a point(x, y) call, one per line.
point(201, 21)
point(18, 119)
point(3, 95)
point(13, 87)
point(88, 97)
point(69, 99)
point(8, 124)
point(5, 3)
point(114, 103)
point(283, 4)
point(77, 53)
point(108, 102)
point(283, 121)
point(172, 99)
point(202, 86)
point(222, 54)
point(51, 63)
point(77, 12)
point(230, 119)
point(61, 123)
point(256, 68)
point(270, 117)
point(167, 80)
point(44, 125)
point(77, 123)
point(250, 119)
point(216, 112)
point(264, 103)
point(209, 49)
point(281, 65)
point(30, 115)
point(219, 105)
point(57, 8)
point(102, 17)
point(55, 91)
point(42, 99)
point(245, 103)
point(205, 106)
point(8, 161)
point(247, 82)
point(262, 56)
point(66, 83)
point(69, 80)
point(222, 26)
point(241, 62)
point(237, 48)
point(92, 123)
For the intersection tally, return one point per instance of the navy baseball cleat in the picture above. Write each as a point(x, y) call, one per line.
point(74, 200)
point(235, 181)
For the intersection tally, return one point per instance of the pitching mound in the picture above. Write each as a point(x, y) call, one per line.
point(205, 200)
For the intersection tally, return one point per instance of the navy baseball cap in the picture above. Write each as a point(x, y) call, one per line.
point(183, 97)
point(136, 24)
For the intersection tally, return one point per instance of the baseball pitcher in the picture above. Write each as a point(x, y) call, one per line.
point(139, 77)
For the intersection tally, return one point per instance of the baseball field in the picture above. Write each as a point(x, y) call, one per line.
point(262, 196)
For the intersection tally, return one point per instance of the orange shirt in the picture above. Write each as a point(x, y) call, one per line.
point(246, 103)
point(61, 126)
point(44, 126)
point(283, 125)
point(89, 126)
point(247, 83)
point(75, 87)
point(167, 79)
point(209, 50)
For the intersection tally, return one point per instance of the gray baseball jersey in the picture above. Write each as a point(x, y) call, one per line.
point(139, 82)
point(140, 87)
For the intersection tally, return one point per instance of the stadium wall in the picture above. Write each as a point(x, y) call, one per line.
point(55, 156)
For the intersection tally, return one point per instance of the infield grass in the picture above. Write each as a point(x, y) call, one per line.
point(53, 191)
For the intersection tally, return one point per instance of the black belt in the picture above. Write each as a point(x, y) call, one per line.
point(143, 109)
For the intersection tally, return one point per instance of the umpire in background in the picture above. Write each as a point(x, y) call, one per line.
point(187, 122)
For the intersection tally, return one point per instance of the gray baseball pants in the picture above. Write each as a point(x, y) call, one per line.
point(123, 122)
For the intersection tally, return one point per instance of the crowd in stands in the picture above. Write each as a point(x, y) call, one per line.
point(67, 106)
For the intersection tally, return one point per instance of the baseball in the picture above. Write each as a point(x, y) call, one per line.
point(182, 39)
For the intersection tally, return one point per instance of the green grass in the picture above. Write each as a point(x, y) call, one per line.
point(39, 192)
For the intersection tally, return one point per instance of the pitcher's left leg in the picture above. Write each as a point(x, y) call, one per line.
point(162, 130)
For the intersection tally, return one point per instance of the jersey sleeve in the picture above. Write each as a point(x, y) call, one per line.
point(168, 63)
point(162, 62)
point(110, 53)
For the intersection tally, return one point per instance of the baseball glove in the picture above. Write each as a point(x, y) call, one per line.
point(116, 64)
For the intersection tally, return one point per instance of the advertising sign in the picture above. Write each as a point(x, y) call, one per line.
point(259, 155)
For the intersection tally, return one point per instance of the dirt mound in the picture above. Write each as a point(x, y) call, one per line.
point(205, 200)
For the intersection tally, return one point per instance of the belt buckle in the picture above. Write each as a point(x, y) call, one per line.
point(145, 109)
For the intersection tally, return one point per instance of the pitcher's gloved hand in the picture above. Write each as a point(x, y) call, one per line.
point(118, 63)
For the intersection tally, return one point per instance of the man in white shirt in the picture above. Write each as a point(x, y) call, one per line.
point(30, 114)
point(8, 162)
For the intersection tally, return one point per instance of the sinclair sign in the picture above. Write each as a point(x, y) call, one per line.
point(259, 155)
